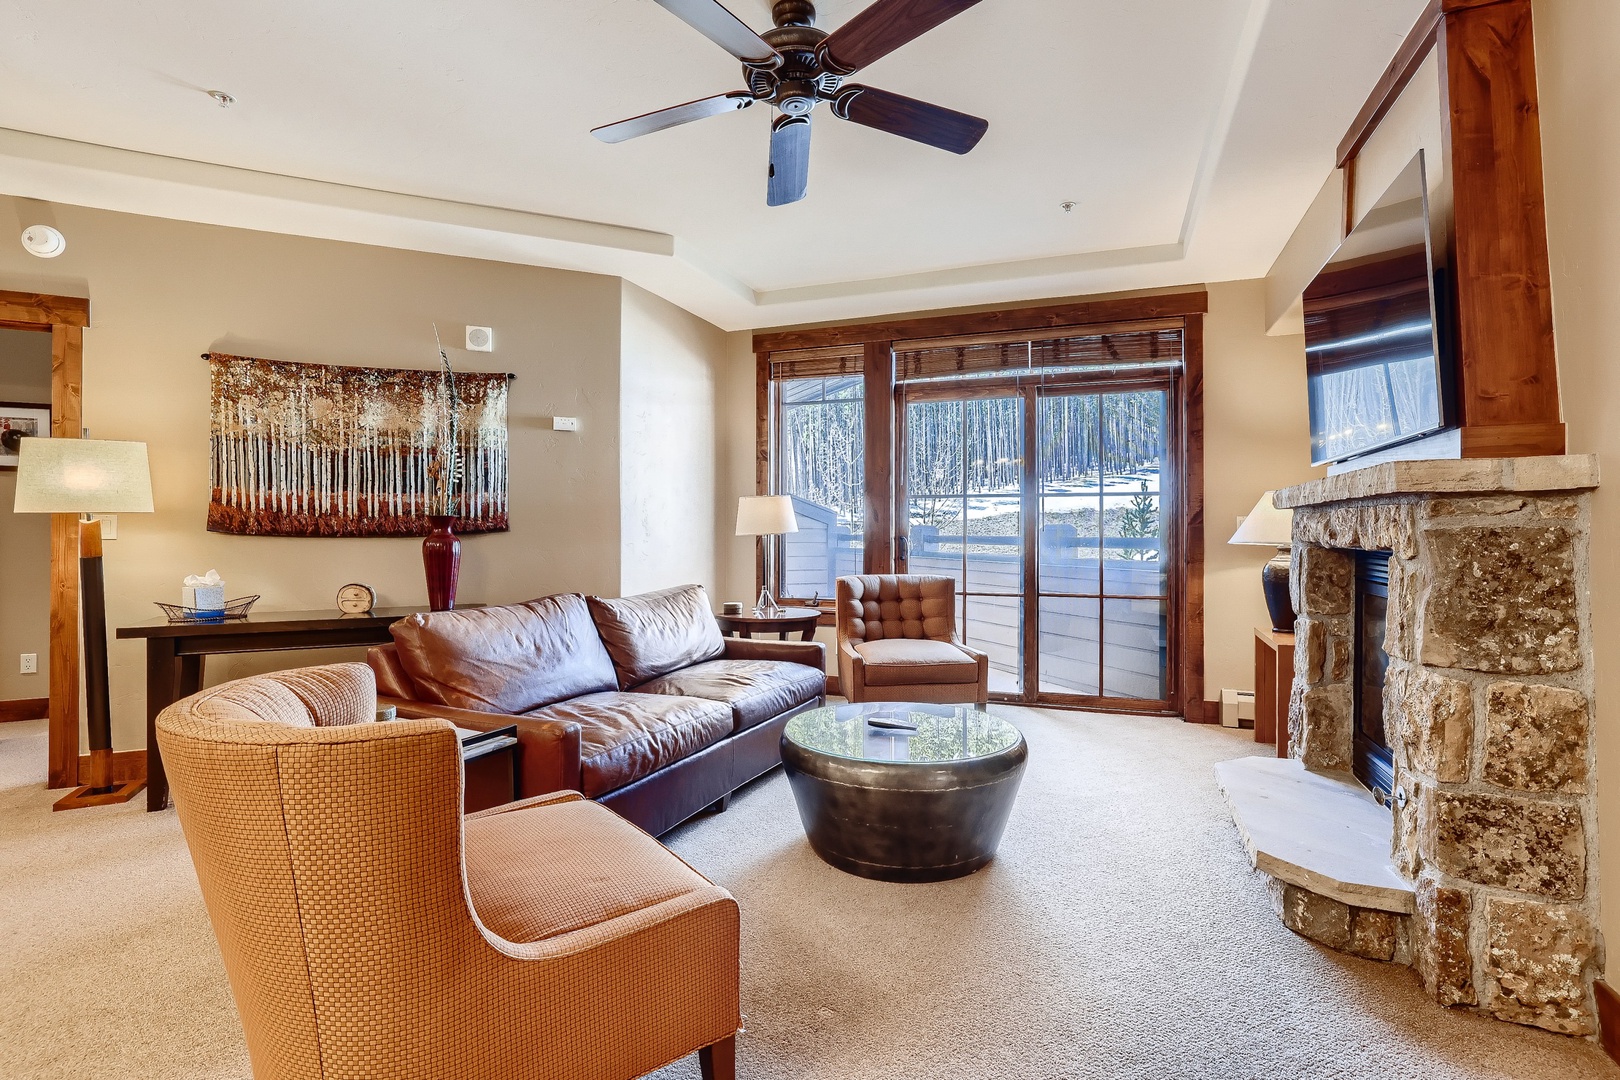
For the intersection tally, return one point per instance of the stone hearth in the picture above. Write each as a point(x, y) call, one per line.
point(1487, 707)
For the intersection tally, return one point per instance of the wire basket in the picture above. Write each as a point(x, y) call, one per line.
point(234, 609)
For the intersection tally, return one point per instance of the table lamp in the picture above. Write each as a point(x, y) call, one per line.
point(1267, 526)
point(766, 515)
point(88, 476)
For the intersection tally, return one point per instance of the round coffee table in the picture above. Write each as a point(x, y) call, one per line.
point(903, 792)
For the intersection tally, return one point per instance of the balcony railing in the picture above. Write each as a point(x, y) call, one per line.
point(1074, 642)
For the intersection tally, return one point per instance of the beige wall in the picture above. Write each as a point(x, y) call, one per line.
point(1256, 439)
point(164, 292)
point(670, 372)
point(1576, 42)
point(25, 539)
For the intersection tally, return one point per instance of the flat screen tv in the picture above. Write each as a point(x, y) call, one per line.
point(1377, 366)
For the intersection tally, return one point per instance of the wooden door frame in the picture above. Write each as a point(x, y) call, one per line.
point(64, 318)
point(1029, 388)
point(878, 342)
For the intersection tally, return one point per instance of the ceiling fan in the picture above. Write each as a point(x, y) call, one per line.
point(795, 67)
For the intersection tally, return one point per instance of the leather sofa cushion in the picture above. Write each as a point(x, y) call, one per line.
point(906, 661)
point(624, 737)
point(756, 690)
point(655, 633)
point(542, 871)
point(505, 659)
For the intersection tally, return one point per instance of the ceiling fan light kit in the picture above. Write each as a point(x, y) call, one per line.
point(794, 67)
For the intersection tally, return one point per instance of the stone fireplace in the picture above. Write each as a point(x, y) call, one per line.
point(1487, 712)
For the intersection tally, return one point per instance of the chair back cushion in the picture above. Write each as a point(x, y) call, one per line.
point(657, 632)
point(331, 696)
point(507, 659)
point(872, 607)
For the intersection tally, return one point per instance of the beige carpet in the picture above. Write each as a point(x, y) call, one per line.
point(1120, 934)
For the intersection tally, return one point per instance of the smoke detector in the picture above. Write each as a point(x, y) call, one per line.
point(480, 339)
point(43, 241)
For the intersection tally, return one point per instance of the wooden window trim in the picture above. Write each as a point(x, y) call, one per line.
point(878, 340)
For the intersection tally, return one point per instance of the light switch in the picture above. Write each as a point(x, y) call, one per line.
point(109, 526)
point(565, 423)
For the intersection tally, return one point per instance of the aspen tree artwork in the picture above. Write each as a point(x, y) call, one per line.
point(319, 450)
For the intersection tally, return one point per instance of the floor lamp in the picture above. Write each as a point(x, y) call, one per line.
point(88, 476)
point(766, 515)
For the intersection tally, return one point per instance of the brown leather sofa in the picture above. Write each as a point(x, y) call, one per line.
point(370, 929)
point(638, 703)
point(897, 642)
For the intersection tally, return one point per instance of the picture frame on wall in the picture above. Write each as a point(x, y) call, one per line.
point(31, 418)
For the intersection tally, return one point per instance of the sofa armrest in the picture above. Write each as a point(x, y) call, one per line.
point(983, 659)
point(524, 804)
point(851, 671)
point(548, 750)
point(809, 653)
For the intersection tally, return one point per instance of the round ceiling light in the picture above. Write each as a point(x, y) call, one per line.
point(224, 100)
point(43, 241)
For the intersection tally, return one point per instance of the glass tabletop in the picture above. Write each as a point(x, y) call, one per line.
point(897, 731)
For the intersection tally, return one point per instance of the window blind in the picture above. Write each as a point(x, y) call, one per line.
point(1133, 346)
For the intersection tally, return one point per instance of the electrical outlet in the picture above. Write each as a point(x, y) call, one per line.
point(30, 663)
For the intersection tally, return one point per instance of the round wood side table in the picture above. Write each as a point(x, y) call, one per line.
point(791, 620)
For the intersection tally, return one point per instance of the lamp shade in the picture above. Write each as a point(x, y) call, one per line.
point(1266, 526)
point(765, 515)
point(82, 476)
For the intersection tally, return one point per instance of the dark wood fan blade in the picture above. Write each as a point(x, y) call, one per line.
point(790, 160)
point(883, 28)
point(711, 19)
point(910, 118)
point(673, 116)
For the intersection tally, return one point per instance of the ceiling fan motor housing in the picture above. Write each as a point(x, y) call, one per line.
point(799, 81)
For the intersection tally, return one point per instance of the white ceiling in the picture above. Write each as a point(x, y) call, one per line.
point(1192, 135)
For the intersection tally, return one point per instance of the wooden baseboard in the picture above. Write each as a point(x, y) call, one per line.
point(38, 708)
point(1203, 712)
point(833, 685)
point(1608, 1009)
point(128, 766)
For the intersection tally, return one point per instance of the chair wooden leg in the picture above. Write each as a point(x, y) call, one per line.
point(719, 1062)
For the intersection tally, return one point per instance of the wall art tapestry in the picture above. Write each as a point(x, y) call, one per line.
point(319, 450)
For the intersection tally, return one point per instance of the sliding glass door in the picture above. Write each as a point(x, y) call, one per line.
point(1054, 507)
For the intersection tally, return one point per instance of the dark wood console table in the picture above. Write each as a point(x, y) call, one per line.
point(175, 651)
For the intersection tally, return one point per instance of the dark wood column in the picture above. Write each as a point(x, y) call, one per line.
point(1509, 376)
point(880, 457)
point(1507, 367)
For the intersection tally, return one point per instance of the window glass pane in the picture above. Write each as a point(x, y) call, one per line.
point(995, 546)
point(1135, 649)
point(821, 462)
point(1132, 433)
point(933, 448)
point(994, 625)
point(1071, 494)
point(1069, 633)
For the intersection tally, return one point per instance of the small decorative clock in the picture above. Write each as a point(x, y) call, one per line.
point(356, 599)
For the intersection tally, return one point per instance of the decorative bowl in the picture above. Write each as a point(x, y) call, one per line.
point(234, 609)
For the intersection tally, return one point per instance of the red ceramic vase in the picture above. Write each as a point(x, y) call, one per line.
point(441, 557)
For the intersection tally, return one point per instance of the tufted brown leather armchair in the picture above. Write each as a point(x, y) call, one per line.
point(897, 642)
point(369, 929)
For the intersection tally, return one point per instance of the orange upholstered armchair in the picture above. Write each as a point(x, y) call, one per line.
point(897, 642)
point(369, 929)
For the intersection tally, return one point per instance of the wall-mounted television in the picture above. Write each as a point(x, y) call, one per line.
point(1378, 366)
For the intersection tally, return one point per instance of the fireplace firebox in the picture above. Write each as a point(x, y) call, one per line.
point(1373, 763)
